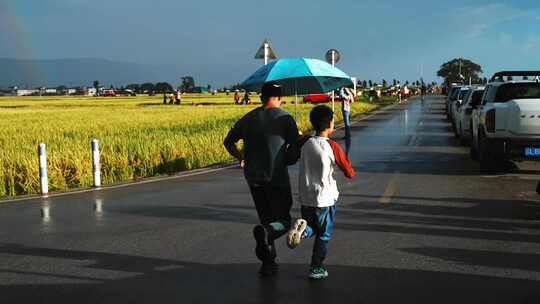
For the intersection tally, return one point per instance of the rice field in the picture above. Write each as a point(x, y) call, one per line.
point(139, 137)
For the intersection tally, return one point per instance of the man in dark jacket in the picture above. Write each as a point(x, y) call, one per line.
point(270, 138)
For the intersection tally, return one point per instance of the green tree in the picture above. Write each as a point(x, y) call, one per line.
point(384, 83)
point(370, 83)
point(163, 87)
point(459, 70)
point(135, 87)
point(148, 87)
point(95, 84)
point(188, 83)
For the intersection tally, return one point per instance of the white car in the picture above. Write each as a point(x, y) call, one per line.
point(452, 95)
point(463, 120)
point(456, 103)
point(506, 125)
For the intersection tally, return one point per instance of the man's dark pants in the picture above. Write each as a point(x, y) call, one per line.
point(273, 204)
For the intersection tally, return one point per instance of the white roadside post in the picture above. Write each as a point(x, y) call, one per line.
point(44, 181)
point(354, 80)
point(95, 163)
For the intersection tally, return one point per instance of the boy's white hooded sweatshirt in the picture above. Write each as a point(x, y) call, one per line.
point(317, 185)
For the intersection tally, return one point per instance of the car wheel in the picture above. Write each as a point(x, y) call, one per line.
point(462, 137)
point(454, 128)
point(488, 163)
point(474, 147)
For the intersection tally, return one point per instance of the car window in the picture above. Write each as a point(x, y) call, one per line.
point(453, 93)
point(511, 91)
point(477, 97)
point(462, 94)
point(489, 95)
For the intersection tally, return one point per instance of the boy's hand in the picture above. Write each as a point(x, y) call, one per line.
point(242, 164)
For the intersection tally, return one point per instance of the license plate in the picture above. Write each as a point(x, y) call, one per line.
point(532, 151)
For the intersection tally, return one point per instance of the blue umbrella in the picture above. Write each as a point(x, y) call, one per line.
point(299, 76)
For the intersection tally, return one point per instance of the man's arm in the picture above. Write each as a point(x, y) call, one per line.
point(342, 161)
point(230, 143)
point(294, 141)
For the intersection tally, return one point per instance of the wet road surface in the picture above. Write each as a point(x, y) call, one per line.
point(420, 224)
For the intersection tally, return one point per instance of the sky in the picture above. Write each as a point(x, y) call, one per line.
point(215, 41)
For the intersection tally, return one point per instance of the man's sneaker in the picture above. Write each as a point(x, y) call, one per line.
point(295, 234)
point(268, 269)
point(317, 272)
point(262, 249)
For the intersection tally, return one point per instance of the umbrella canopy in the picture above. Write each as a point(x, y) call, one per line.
point(299, 76)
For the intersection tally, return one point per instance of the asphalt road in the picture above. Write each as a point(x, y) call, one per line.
point(419, 224)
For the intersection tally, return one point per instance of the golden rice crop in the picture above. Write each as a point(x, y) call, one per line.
point(139, 137)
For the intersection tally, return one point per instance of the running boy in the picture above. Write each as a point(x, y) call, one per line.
point(318, 189)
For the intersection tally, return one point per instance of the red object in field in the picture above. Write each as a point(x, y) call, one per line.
point(316, 98)
point(108, 93)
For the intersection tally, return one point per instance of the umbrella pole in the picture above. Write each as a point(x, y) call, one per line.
point(295, 102)
point(333, 107)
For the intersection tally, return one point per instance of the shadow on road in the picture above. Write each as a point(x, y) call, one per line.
point(152, 280)
point(524, 261)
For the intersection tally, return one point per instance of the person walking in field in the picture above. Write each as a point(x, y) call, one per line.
point(236, 96)
point(318, 190)
point(270, 137)
point(246, 100)
point(178, 99)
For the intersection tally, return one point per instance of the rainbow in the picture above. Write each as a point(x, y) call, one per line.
point(19, 39)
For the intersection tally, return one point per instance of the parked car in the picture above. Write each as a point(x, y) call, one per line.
point(455, 104)
point(108, 93)
point(321, 98)
point(506, 125)
point(317, 98)
point(464, 111)
point(452, 95)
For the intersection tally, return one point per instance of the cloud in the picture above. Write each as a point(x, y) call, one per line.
point(475, 21)
point(531, 44)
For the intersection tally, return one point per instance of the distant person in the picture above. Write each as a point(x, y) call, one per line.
point(399, 92)
point(236, 96)
point(178, 97)
point(270, 138)
point(346, 99)
point(318, 190)
point(246, 100)
point(164, 98)
point(423, 90)
point(406, 92)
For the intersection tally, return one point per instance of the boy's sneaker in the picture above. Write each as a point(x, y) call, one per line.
point(262, 249)
point(295, 234)
point(318, 272)
point(268, 269)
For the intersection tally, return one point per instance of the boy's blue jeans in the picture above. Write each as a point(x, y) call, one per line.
point(320, 224)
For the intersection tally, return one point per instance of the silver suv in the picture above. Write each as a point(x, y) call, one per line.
point(506, 125)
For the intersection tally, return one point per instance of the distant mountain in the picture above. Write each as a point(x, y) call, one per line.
point(80, 72)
